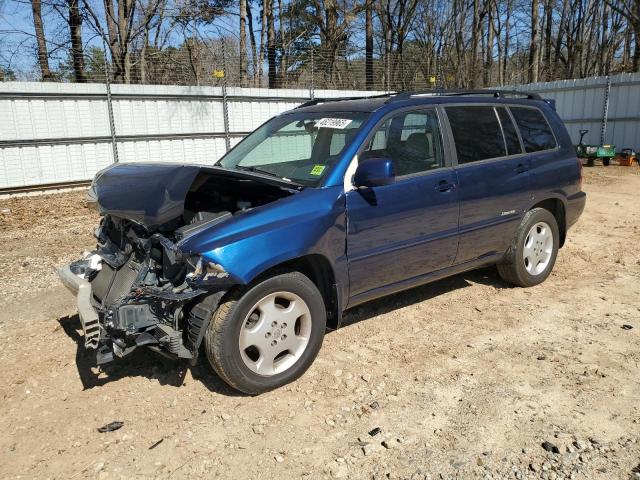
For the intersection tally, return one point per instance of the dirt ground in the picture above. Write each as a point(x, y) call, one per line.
point(464, 378)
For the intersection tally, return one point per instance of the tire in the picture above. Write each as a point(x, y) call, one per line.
point(606, 161)
point(591, 162)
point(532, 254)
point(280, 321)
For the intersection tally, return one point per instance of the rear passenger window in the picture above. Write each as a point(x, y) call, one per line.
point(509, 131)
point(534, 129)
point(476, 133)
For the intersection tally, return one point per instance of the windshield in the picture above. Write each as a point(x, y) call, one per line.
point(300, 147)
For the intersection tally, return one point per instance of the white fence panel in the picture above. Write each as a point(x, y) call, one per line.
point(581, 103)
point(56, 133)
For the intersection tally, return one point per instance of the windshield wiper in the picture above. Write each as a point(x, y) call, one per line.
point(265, 172)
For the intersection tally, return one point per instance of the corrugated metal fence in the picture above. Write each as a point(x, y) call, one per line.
point(59, 133)
point(609, 107)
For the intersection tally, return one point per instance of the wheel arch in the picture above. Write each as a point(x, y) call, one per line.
point(556, 206)
point(319, 270)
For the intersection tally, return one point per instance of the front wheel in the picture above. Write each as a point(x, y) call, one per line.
point(606, 162)
point(533, 250)
point(268, 335)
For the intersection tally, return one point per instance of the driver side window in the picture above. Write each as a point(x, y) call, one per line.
point(412, 141)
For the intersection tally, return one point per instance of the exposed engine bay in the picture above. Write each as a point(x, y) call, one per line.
point(145, 290)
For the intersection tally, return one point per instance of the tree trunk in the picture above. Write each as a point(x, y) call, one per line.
point(254, 51)
point(75, 29)
point(488, 63)
point(533, 45)
point(243, 42)
point(626, 50)
point(263, 39)
point(114, 42)
point(271, 44)
point(123, 20)
point(368, 60)
point(560, 35)
point(548, 7)
point(283, 49)
point(507, 32)
point(475, 34)
point(604, 42)
point(43, 56)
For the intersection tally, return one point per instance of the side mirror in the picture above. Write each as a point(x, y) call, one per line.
point(374, 172)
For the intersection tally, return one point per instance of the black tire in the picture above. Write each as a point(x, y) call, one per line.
point(591, 162)
point(223, 333)
point(513, 269)
point(606, 161)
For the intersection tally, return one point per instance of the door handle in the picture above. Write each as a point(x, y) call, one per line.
point(445, 186)
point(521, 168)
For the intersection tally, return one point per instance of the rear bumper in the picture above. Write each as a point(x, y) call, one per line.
point(89, 318)
point(575, 207)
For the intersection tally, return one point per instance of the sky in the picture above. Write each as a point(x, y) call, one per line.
point(17, 35)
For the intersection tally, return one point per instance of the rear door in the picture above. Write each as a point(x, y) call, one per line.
point(493, 174)
point(403, 230)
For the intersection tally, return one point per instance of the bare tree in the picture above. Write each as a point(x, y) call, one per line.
point(368, 48)
point(43, 55)
point(533, 44)
point(254, 51)
point(75, 30)
point(630, 9)
point(243, 40)
point(271, 43)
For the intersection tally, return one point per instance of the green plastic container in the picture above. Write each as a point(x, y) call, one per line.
point(606, 151)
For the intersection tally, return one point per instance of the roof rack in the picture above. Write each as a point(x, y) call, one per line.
point(406, 95)
point(453, 93)
point(316, 101)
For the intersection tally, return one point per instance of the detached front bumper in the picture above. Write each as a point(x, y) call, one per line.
point(89, 318)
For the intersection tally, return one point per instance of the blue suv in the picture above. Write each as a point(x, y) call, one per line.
point(322, 208)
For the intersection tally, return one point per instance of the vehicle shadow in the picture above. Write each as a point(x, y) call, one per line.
point(139, 363)
point(485, 276)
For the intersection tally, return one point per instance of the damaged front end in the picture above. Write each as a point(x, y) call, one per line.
point(139, 288)
point(132, 291)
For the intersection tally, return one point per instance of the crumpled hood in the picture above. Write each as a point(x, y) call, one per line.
point(150, 194)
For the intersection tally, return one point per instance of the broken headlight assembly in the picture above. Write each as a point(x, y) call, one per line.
point(204, 271)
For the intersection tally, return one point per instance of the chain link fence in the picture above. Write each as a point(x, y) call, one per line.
point(216, 62)
point(188, 103)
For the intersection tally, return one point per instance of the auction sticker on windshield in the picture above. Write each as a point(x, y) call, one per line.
point(339, 123)
point(317, 170)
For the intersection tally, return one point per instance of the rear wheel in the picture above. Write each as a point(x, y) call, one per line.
point(268, 335)
point(533, 251)
point(606, 161)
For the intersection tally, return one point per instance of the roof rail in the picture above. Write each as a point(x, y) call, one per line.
point(316, 101)
point(452, 93)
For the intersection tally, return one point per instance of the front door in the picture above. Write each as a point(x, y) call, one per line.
point(409, 228)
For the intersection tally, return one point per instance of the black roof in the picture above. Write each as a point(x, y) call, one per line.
point(374, 102)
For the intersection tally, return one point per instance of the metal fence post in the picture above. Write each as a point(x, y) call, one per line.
point(112, 124)
point(605, 113)
point(225, 105)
